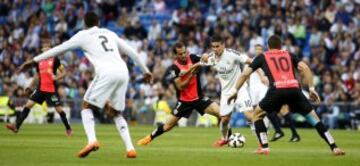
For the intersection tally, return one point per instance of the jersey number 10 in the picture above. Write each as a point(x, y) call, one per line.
point(281, 63)
point(104, 42)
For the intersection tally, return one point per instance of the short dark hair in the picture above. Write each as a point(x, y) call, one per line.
point(274, 42)
point(177, 45)
point(91, 19)
point(217, 38)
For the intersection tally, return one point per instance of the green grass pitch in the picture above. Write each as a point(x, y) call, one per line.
point(44, 145)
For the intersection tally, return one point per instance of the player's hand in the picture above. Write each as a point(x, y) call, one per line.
point(314, 96)
point(54, 77)
point(26, 65)
point(148, 77)
point(205, 58)
point(195, 68)
point(232, 98)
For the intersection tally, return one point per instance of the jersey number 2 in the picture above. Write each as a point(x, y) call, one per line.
point(104, 42)
point(281, 63)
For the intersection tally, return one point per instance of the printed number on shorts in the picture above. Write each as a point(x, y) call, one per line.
point(248, 103)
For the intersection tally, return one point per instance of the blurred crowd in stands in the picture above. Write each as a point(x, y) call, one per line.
point(324, 33)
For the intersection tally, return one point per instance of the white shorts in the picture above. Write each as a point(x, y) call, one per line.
point(257, 93)
point(242, 103)
point(108, 87)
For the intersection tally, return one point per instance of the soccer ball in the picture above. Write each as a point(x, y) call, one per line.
point(236, 140)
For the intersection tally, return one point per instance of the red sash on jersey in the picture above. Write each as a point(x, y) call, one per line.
point(46, 75)
point(190, 93)
point(281, 68)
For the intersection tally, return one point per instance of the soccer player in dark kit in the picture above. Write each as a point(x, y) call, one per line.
point(280, 66)
point(184, 75)
point(48, 72)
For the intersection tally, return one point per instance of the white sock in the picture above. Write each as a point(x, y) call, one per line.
point(89, 124)
point(123, 129)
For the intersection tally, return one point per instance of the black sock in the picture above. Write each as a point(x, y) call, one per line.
point(228, 134)
point(291, 124)
point(325, 134)
point(64, 120)
point(157, 132)
point(260, 129)
point(22, 117)
point(275, 121)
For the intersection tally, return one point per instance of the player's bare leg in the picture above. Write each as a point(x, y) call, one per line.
point(169, 124)
point(249, 116)
point(225, 129)
point(88, 121)
point(314, 120)
point(62, 114)
point(260, 130)
point(19, 120)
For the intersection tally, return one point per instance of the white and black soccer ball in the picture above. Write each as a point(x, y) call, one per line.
point(236, 140)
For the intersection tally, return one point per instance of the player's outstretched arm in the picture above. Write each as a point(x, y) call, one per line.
point(71, 44)
point(60, 74)
point(125, 48)
point(31, 87)
point(182, 84)
point(262, 76)
point(193, 69)
point(308, 77)
point(25, 66)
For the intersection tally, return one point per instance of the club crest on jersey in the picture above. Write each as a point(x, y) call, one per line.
point(172, 74)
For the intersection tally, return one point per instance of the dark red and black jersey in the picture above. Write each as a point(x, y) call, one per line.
point(46, 70)
point(193, 91)
point(279, 67)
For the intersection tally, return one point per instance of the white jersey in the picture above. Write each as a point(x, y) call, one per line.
point(101, 47)
point(257, 88)
point(229, 68)
point(255, 80)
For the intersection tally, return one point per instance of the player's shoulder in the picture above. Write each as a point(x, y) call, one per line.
point(172, 71)
point(259, 58)
point(56, 59)
point(108, 32)
point(81, 32)
point(193, 56)
point(232, 51)
point(173, 67)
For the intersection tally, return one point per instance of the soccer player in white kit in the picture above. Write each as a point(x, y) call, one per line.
point(228, 64)
point(101, 47)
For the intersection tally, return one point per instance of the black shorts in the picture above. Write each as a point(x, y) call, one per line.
point(294, 98)
point(184, 109)
point(52, 99)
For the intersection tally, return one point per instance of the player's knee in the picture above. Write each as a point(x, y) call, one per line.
point(249, 115)
point(86, 105)
point(225, 119)
point(58, 109)
point(213, 109)
point(258, 116)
